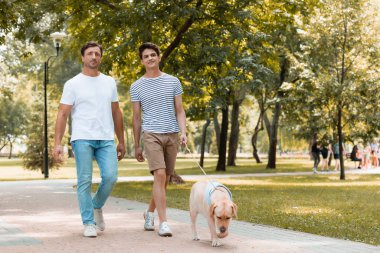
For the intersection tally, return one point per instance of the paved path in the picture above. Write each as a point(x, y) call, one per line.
point(43, 216)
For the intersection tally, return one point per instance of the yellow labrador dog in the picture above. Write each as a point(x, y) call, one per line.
point(214, 201)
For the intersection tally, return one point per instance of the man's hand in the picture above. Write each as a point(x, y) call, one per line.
point(58, 153)
point(183, 139)
point(138, 154)
point(120, 149)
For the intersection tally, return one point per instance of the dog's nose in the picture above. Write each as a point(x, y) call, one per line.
point(223, 229)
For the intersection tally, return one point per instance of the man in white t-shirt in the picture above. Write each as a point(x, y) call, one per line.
point(91, 98)
point(158, 96)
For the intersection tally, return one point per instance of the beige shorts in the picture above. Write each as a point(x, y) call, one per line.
point(161, 151)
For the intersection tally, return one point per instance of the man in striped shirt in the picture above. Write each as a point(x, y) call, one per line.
point(158, 96)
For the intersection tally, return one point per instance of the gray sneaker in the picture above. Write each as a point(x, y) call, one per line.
point(90, 230)
point(164, 229)
point(98, 216)
point(149, 221)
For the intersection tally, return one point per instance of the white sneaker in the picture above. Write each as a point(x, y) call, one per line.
point(164, 229)
point(315, 171)
point(149, 221)
point(98, 216)
point(90, 230)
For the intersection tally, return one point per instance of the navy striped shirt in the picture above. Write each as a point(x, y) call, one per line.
point(156, 96)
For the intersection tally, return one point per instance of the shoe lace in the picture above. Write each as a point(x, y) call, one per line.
point(164, 226)
point(90, 227)
point(149, 218)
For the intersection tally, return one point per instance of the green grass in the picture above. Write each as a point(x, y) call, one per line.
point(130, 167)
point(5, 162)
point(320, 204)
point(12, 169)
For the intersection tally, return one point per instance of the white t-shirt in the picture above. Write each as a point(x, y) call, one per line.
point(91, 98)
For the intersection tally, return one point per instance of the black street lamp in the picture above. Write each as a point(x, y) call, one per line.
point(57, 39)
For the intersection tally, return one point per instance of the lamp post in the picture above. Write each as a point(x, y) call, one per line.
point(57, 39)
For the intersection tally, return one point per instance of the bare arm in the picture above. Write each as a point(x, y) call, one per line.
point(119, 129)
point(60, 127)
point(136, 121)
point(181, 118)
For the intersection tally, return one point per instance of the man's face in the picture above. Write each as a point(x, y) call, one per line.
point(92, 57)
point(150, 59)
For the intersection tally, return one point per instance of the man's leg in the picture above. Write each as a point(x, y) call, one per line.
point(106, 157)
point(155, 145)
point(84, 152)
point(154, 153)
point(152, 205)
point(159, 194)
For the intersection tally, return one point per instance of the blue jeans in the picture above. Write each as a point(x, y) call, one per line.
point(104, 152)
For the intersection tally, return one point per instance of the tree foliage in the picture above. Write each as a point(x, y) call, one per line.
point(33, 158)
point(13, 118)
point(304, 62)
point(339, 87)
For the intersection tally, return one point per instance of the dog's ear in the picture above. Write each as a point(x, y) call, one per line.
point(212, 210)
point(234, 210)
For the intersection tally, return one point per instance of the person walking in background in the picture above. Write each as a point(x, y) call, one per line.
point(158, 96)
point(331, 153)
point(325, 157)
point(337, 155)
point(91, 98)
point(315, 150)
point(374, 155)
point(367, 156)
point(374, 159)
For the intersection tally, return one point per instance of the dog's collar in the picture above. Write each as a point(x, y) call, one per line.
point(211, 187)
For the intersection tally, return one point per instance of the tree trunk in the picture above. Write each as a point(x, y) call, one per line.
point(342, 78)
point(217, 128)
point(5, 144)
point(10, 150)
point(221, 165)
point(276, 116)
point(273, 137)
point(234, 134)
point(203, 144)
point(340, 136)
point(258, 128)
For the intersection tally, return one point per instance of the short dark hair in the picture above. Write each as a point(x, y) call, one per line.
point(91, 44)
point(149, 45)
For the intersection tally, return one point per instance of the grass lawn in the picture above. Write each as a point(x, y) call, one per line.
point(189, 167)
point(12, 169)
point(319, 204)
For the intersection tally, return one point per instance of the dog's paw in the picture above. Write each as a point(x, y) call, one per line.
point(195, 238)
point(216, 243)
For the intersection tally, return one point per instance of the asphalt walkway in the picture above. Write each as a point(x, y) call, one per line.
point(43, 216)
